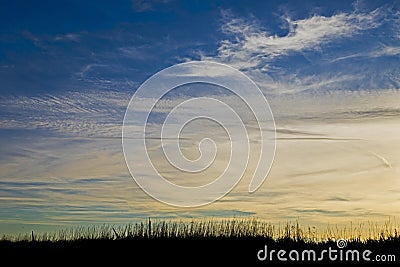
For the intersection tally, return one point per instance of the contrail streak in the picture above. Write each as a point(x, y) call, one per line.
point(382, 159)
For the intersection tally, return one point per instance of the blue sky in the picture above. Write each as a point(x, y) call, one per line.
point(68, 70)
point(49, 47)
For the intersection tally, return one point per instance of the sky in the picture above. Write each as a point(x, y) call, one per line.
point(329, 69)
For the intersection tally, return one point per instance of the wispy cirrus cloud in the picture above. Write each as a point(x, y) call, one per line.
point(75, 37)
point(143, 5)
point(310, 55)
point(90, 114)
point(254, 47)
point(77, 174)
point(386, 51)
point(379, 52)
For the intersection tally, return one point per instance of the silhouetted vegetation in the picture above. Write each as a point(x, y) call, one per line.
point(212, 228)
point(239, 239)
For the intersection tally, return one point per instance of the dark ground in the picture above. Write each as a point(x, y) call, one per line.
point(182, 251)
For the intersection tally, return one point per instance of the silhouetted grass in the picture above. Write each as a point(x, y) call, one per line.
point(212, 228)
point(205, 241)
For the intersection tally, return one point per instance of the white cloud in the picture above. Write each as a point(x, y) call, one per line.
point(86, 114)
point(68, 37)
point(87, 69)
point(137, 52)
point(396, 24)
point(254, 47)
point(333, 146)
point(386, 51)
point(266, 57)
point(295, 84)
point(143, 5)
point(379, 52)
point(351, 135)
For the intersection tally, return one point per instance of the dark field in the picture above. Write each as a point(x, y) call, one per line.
point(207, 242)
